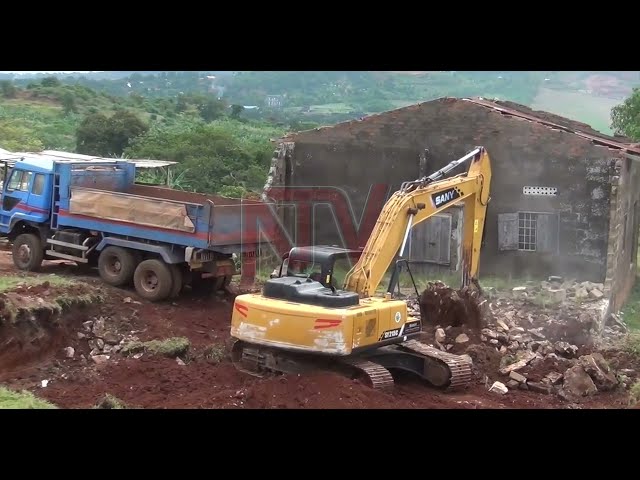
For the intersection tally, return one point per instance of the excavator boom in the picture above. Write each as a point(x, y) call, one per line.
point(414, 203)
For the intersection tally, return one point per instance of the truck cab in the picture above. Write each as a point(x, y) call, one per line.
point(26, 196)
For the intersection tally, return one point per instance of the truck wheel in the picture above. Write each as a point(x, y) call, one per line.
point(153, 280)
point(116, 265)
point(177, 280)
point(27, 252)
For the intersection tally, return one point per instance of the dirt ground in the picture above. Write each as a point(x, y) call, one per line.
point(30, 362)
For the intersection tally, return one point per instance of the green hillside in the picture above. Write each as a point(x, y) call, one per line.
point(219, 151)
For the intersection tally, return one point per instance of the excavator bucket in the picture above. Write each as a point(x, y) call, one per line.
point(445, 306)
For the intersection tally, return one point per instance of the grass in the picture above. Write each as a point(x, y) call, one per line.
point(10, 399)
point(632, 344)
point(15, 307)
point(10, 282)
point(214, 353)
point(631, 310)
point(331, 108)
point(111, 402)
point(171, 347)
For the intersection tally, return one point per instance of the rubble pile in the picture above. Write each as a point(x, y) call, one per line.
point(102, 341)
point(538, 337)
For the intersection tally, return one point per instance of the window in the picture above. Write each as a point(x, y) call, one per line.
point(340, 269)
point(300, 268)
point(38, 184)
point(527, 223)
point(20, 181)
point(15, 180)
point(529, 232)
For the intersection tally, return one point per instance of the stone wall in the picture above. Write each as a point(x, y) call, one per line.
point(624, 215)
point(386, 149)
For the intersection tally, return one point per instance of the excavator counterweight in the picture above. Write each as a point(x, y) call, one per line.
point(305, 318)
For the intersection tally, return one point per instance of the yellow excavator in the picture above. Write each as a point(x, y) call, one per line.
point(301, 321)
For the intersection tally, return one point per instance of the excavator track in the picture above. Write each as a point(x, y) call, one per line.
point(459, 367)
point(378, 377)
point(258, 361)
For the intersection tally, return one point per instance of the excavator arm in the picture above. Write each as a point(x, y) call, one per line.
point(417, 201)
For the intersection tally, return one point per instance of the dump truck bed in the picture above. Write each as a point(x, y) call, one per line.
point(105, 199)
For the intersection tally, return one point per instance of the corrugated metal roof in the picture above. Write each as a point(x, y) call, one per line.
point(68, 157)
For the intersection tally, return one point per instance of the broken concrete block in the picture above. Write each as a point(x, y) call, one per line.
point(556, 279)
point(99, 359)
point(597, 368)
point(499, 387)
point(565, 349)
point(440, 335)
point(540, 387)
point(512, 384)
point(596, 294)
point(502, 324)
point(489, 333)
point(581, 293)
point(554, 377)
point(528, 356)
point(462, 338)
point(517, 377)
point(577, 383)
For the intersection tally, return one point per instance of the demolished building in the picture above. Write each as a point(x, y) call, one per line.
point(564, 197)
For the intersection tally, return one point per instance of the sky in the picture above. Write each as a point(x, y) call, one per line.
point(58, 71)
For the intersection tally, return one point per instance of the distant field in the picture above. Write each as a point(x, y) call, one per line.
point(594, 111)
point(331, 108)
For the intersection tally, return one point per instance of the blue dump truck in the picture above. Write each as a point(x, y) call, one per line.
point(95, 214)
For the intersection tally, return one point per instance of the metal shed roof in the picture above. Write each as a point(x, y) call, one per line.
point(67, 157)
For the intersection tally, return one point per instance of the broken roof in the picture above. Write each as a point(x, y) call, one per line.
point(512, 109)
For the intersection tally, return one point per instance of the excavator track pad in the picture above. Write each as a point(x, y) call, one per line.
point(454, 370)
point(260, 361)
point(440, 369)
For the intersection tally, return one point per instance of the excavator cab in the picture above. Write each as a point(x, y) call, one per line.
point(314, 275)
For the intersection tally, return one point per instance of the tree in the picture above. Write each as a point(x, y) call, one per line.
point(9, 90)
point(99, 135)
point(50, 82)
point(92, 135)
point(69, 103)
point(211, 110)
point(123, 127)
point(625, 118)
point(236, 110)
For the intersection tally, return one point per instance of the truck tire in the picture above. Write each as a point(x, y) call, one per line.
point(177, 280)
point(153, 280)
point(116, 265)
point(27, 252)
